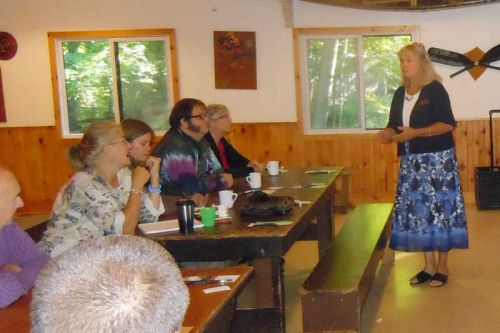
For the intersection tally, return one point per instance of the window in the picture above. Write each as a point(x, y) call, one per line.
point(348, 77)
point(113, 75)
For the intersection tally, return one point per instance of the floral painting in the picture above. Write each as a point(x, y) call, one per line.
point(235, 60)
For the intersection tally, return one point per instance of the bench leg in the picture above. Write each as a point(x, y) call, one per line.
point(325, 227)
point(388, 256)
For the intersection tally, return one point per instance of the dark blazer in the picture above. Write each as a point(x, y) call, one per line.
point(237, 162)
point(433, 105)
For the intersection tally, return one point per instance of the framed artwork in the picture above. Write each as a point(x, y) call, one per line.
point(3, 116)
point(235, 60)
point(8, 49)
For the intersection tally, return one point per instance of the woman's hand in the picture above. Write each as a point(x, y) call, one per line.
point(153, 164)
point(12, 268)
point(227, 179)
point(199, 199)
point(140, 176)
point(386, 135)
point(257, 166)
point(407, 133)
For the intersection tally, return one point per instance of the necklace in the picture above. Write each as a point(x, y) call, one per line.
point(408, 97)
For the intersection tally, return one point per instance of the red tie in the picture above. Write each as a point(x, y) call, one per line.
point(223, 155)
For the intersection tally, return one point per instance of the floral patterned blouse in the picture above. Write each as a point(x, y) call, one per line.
point(87, 206)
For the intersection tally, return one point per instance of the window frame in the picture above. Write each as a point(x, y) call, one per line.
point(55, 40)
point(300, 36)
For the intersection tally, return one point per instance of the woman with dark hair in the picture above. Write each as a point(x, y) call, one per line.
point(429, 213)
point(139, 135)
point(105, 196)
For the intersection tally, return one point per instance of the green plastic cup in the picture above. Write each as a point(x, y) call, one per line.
point(208, 216)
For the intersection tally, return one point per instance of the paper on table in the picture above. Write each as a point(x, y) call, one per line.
point(320, 172)
point(216, 289)
point(164, 226)
point(276, 223)
point(196, 279)
point(311, 185)
point(230, 278)
point(269, 191)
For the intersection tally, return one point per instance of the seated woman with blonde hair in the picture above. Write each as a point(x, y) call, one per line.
point(105, 196)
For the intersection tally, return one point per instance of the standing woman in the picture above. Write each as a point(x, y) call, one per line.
point(429, 211)
point(105, 196)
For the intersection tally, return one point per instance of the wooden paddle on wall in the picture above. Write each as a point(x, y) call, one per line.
point(458, 60)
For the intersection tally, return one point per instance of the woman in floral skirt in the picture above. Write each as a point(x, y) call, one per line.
point(429, 213)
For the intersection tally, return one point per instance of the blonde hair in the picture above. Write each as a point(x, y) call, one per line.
point(215, 111)
point(427, 73)
point(96, 137)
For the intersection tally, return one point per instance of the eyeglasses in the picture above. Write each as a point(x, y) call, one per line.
point(201, 116)
point(122, 141)
point(223, 117)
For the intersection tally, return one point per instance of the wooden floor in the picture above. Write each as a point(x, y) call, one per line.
point(470, 302)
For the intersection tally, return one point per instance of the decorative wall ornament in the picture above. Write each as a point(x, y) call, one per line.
point(475, 61)
point(402, 5)
point(8, 49)
point(235, 60)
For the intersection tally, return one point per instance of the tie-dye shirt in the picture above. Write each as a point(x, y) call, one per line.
point(188, 166)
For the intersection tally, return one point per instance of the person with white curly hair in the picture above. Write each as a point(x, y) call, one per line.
point(118, 283)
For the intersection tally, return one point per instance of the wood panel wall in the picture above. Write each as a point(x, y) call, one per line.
point(37, 156)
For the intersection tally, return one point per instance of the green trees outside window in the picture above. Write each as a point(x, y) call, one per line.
point(348, 80)
point(113, 78)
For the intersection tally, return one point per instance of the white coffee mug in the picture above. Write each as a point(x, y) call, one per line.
point(227, 198)
point(273, 168)
point(254, 179)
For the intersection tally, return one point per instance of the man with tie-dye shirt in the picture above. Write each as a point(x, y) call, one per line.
point(189, 168)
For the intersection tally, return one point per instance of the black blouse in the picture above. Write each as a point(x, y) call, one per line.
point(237, 162)
point(433, 105)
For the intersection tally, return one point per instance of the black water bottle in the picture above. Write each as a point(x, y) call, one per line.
point(185, 215)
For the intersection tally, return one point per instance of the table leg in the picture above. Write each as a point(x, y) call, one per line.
point(325, 227)
point(270, 284)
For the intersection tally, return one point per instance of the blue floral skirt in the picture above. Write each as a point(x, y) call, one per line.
point(429, 210)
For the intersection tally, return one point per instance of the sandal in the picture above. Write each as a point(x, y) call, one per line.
point(421, 277)
point(439, 277)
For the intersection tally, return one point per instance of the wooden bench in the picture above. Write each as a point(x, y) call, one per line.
point(334, 293)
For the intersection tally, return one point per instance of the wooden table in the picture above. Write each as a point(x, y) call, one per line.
point(214, 312)
point(264, 246)
point(206, 312)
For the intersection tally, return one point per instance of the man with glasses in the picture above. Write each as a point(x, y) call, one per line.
point(231, 160)
point(189, 168)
